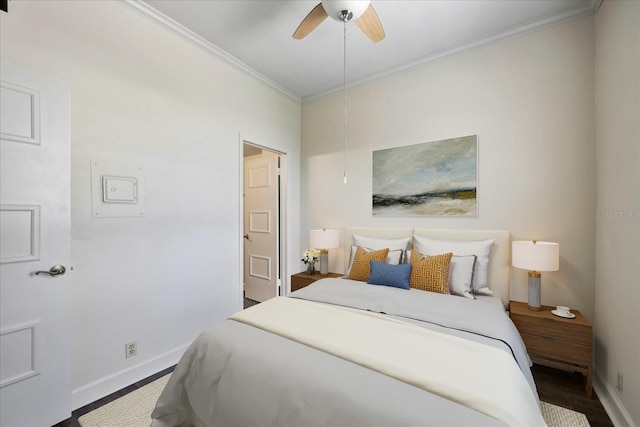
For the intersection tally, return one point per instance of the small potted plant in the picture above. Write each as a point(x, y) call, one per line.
point(310, 257)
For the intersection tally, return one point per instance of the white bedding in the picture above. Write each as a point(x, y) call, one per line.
point(236, 374)
point(490, 299)
point(379, 342)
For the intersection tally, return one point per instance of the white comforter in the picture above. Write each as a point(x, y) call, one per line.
point(239, 375)
point(378, 342)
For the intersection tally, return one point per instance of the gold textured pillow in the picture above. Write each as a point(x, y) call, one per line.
point(430, 273)
point(361, 267)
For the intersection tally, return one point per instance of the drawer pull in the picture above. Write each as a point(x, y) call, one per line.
point(549, 339)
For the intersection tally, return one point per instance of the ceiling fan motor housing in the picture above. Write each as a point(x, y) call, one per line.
point(345, 10)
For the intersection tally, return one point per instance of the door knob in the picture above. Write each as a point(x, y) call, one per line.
point(56, 270)
point(246, 236)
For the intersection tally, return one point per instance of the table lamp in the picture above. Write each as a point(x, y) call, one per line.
point(324, 240)
point(536, 257)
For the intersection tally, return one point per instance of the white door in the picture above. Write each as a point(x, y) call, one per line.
point(261, 226)
point(35, 339)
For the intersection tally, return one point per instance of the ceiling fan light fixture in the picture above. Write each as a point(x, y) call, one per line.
point(354, 8)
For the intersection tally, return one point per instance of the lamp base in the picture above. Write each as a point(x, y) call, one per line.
point(324, 262)
point(534, 291)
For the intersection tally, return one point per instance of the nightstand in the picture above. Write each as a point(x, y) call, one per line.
point(555, 341)
point(302, 279)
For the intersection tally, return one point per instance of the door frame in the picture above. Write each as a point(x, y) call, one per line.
point(281, 222)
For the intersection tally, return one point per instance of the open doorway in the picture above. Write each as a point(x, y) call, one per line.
point(263, 221)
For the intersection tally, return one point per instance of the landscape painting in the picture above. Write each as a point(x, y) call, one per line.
point(432, 178)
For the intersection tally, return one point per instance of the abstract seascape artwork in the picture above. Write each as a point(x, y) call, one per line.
point(431, 178)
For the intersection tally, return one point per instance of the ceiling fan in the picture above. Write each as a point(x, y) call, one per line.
point(362, 12)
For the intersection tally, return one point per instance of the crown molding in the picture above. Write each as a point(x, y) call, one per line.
point(595, 5)
point(183, 32)
point(590, 8)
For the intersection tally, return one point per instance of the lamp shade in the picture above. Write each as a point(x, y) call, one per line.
point(324, 239)
point(535, 256)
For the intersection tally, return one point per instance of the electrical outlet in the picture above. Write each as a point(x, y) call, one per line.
point(619, 385)
point(130, 349)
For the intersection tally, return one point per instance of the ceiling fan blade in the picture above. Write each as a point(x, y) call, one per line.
point(310, 22)
point(370, 24)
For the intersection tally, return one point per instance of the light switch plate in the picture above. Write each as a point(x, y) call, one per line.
point(117, 190)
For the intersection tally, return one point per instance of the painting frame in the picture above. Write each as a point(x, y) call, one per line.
point(435, 179)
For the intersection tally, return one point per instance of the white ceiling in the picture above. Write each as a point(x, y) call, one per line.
point(256, 35)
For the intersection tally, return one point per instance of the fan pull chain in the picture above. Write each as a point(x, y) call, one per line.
point(344, 91)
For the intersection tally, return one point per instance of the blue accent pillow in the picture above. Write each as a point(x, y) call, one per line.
point(390, 274)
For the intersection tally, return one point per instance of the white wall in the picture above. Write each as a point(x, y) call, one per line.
point(140, 95)
point(617, 299)
point(530, 101)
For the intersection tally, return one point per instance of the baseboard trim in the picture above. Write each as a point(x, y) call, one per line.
point(96, 390)
point(612, 404)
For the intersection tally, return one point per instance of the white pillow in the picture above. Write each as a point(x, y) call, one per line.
point(393, 257)
point(460, 274)
point(375, 243)
point(480, 248)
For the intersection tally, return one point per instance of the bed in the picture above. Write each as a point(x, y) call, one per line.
point(344, 352)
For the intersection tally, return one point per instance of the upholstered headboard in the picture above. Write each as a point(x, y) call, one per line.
point(498, 276)
point(385, 233)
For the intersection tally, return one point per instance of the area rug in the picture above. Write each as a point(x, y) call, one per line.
point(134, 410)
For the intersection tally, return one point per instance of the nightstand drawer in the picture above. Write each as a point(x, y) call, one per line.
point(557, 329)
point(550, 348)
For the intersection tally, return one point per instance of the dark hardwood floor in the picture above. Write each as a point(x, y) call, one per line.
point(566, 389)
point(554, 386)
